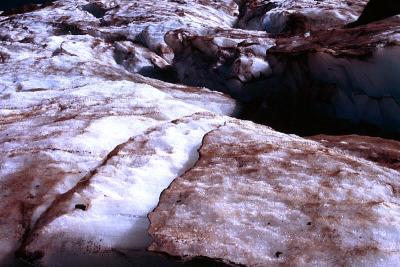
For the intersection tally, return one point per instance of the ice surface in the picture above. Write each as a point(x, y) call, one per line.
point(87, 143)
point(260, 198)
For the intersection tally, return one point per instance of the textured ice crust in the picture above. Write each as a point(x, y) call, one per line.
point(223, 59)
point(87, 143)
point(52, 139)
point(70, 96)
point(260, 198)
point(333, 78)
point(373, 100)
point(289, 16)
point(382, 151)
point(109, 210)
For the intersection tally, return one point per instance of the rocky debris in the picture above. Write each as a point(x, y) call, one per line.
point(260, 198)
point(298, 16)
point(385, 152)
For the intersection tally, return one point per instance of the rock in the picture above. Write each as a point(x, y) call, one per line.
point(257, 197)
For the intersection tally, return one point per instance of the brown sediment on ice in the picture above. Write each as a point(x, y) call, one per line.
point(260, 198)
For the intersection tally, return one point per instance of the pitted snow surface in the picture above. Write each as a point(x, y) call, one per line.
point(87, 144)
point(260, 198)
